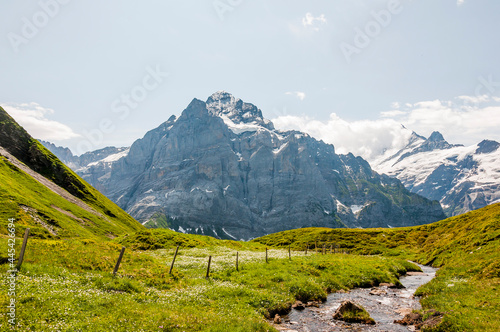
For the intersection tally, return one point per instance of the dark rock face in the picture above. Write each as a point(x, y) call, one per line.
point(88, 159)
point(487, 146)
point(221, 169)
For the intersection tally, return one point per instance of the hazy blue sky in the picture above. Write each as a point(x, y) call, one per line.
point(343, 70)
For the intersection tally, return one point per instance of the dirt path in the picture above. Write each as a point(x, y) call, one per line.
point(49, 184)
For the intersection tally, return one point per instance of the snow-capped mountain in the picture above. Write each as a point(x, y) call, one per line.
point(462, 178)
point(222, 169)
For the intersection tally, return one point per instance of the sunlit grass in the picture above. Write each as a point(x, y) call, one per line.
point(466, 247)
point(68, 286)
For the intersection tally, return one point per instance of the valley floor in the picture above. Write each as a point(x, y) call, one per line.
point(68, 286)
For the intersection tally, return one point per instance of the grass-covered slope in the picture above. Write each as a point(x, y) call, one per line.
point(67, 285)
point(466, 247)
point(47, 213)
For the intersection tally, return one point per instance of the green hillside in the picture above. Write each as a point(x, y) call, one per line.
point(46, 213)
point(466, 247)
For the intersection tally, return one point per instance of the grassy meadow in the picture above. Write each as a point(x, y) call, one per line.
point(465, 247)
point(67, 284)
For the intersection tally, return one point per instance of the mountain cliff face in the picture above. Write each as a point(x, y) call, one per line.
point(461, 178)
point(85, 160)
point(222, 169)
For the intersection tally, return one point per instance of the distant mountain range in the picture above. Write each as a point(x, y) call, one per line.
point(222, 169)
point(461, 178)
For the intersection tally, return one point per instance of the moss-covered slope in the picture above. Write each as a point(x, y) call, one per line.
point(47, 213)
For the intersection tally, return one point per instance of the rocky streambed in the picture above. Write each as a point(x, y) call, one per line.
point(384, 304)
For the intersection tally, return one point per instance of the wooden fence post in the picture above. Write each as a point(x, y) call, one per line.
point(23, 248)
point(119, 261)
point(331, 249)
point(266, 256)
point(324, 249)
point(208, 267)
point(173, 260)
point(307, 246)
point(289, 253)
point(316, 246)
point(237, 261)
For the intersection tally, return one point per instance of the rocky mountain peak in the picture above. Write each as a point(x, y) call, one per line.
point(228, 107)
point(221, 170)
point(222, 97)
point(418, 144)
point(196, 109)
point(436, 136)
point(487, 146)
point(461, 178)
point(435, 142)
point(415, 138)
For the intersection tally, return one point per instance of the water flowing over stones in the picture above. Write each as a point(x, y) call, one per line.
point(383, 308)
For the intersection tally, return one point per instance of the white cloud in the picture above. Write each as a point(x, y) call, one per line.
point(395, 105)
point(475, 99)
point(460, 2)
point(467, 124)
point(391, 114)
point(364, 138)
point(299, 94)
point(34, 118)
point(460, 124)
point(310, 21)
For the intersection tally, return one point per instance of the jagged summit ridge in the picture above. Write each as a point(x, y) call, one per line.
point(418, 144)
point(436, 136)
point(235, 110)
point(461, 178)
point(487, 146)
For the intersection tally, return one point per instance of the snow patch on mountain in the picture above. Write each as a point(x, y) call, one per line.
point(462, 178)
point(356, 208)
point(111, 158)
